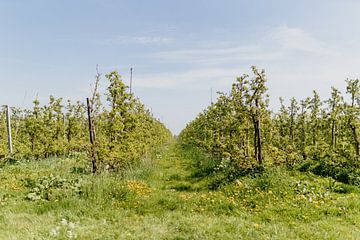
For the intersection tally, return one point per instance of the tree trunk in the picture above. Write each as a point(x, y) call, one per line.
point(356, 139)
point(303, 147)
point(292, 131)
point(92, 140)
point(257, 139)
point(247, 139)
point(333, 135)
point(258, 135)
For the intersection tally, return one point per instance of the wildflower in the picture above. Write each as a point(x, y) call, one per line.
point(71, 225)
point(71, 235)
point(55, 232)
point(64, 222)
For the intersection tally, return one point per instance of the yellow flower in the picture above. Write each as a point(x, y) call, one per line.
point(256, 225)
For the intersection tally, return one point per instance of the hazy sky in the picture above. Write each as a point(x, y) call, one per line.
point(179, 49)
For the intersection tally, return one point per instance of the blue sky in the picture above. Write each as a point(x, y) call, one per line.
point(179, 49)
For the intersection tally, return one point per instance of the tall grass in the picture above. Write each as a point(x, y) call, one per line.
point(165, 197)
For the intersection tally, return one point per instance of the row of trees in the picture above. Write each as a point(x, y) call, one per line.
point(240, 128)
point(124, 129)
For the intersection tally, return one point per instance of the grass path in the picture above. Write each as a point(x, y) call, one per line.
point(163, 200)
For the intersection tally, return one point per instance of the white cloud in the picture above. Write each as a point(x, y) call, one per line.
point(298, 39)
point(295, 61)
point(278, 44)
point(143, 40)
point(220, 64)
point(218, 56)
point(187, 79)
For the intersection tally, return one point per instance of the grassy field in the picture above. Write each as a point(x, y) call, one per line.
point(166, 198)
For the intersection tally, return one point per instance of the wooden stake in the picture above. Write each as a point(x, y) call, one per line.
point(8, 121)
point(92, 138)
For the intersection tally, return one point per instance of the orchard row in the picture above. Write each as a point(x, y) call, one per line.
point(241, 132)
point(123, 130)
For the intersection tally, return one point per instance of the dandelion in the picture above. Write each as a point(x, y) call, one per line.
point(139, 188)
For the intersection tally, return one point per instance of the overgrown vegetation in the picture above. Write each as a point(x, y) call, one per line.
point(125, 130)
point(237, 171)
point(243, 135)
point(165, 198)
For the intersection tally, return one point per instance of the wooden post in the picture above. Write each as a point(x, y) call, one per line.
point(131, 76)
point(92, 138)
point(8, 125)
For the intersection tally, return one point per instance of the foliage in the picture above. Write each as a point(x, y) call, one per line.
point(125, 130)
point(240, 131)
point(51, 187)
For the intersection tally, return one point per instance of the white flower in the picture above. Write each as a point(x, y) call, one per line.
point(64, 222)
point(71, 225)
point(70, 234)
point(54, 232)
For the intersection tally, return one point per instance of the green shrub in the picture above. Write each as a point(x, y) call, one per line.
point(51, 187)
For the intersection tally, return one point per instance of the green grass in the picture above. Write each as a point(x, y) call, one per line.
point(167, 198)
